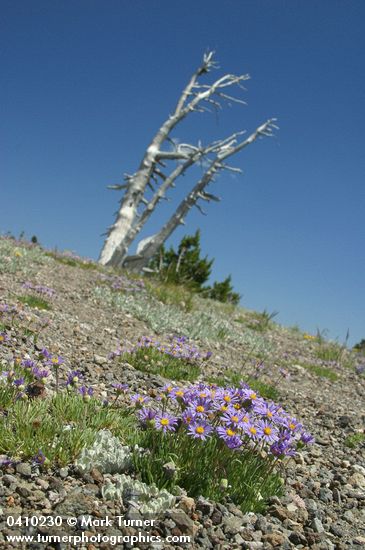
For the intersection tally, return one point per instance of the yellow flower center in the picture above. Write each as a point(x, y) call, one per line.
point(245, 419)
point(179, 393)
point(199, 430)
point(54, 360)
point(253, 396)
point(165, 421)
point(188, 419)
point(234, 418)
point(140, 399)
point(227, 398)
point(267, 431)
point(200, 409)
point(292, 426)
point(230, 432)
point(237, 406)
point(1, 338)
point(169, 389)
point(269, 414)
point(253, 430)
point(202, 395)
point(224, 408)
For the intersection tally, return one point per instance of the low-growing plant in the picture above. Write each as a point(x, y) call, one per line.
point(172, 294)
point(323, 372)
point(208, 321)
point(262, 321)
point(333, 351)
point(59, 426)
point(35, 302)
point(20, 257)
point(176, 359)
point(72, 260)
point(354, 440)
point(215, 442)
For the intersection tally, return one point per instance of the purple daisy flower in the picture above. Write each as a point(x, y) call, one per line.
point(226, 432)
point(268, 432)
point(19, 383)
point(233, 418)
point(139, 400)
point(267, 410)
point(73, 378)
point(46, 354)
point(165, 422)
point(234, 442)
point(199, 430)
point(39, 458)
point(55, 361)
point(3, 337)
point(292, 424)
point(120, 388)
point(28, 364)
point(86, 393)
point(188, 416)
point(146, 415)
point(40, 374)
point(228, 396)
point(202, 406)
point(252, 430)
point(306, 438)
point(282, 448)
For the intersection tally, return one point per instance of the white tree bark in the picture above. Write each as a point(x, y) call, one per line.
point(138, 262)
point(151, 173)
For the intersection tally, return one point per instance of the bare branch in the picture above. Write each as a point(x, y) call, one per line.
point(117, 186)
point(196, 96)
point(200, 209)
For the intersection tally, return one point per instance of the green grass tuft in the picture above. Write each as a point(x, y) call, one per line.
point(35, 301)
point(171, 294)
point(59, 426)
point(73, 262)
point(354, 440)
point(153, 361)
point(323, 372)
point(202, 466)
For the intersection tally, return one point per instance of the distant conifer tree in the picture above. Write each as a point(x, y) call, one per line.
point(186, 266)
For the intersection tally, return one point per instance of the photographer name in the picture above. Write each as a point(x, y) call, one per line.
point(120, 521)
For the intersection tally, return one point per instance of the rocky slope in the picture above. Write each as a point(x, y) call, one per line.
point(324, 502)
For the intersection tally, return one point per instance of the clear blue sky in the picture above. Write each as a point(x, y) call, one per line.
point(86, 83)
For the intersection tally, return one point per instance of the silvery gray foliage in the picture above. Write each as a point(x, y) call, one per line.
point(15, 258)
point(107, 454)
point(207, 323)
point(148, 499)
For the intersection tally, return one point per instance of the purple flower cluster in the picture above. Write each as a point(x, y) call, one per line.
point(237, 416)
point(5, 309)
point(39, 289)
point(177, 347)
point(27, 373)
point(123, 283)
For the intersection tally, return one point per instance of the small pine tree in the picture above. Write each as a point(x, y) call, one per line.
point(186, 267)
point(223, 292)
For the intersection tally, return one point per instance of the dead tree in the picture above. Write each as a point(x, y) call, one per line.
point(157, 175)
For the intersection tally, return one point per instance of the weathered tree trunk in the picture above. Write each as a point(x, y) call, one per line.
point(138, 262)
point(151, 173)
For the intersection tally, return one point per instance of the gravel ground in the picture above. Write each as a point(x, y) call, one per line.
point(324, 502)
